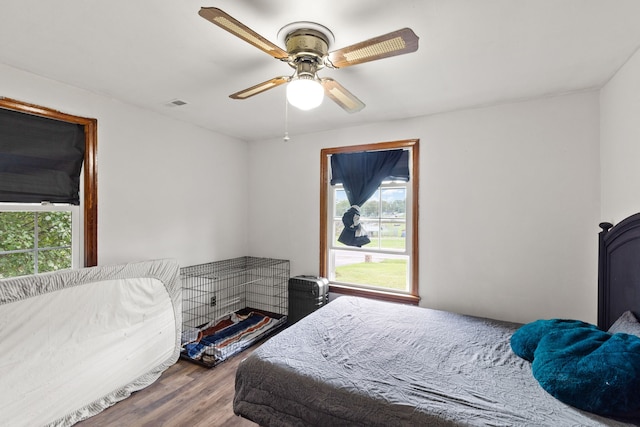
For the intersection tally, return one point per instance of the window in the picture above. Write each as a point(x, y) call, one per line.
point(387, 266)
point(38, 239)
point(45, 237)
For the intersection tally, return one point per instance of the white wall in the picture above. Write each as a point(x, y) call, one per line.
point(509, 205)
point(166, 189)
point(509, 196)
point(620, 143)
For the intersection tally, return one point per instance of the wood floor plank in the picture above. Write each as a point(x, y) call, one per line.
point(185, 395)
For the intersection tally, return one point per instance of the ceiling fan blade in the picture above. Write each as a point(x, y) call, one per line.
point(395, 43)
point(341, 96)
point(235, 27)
point(260, 87)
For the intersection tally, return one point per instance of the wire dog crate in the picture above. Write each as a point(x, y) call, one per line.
point(229, 305)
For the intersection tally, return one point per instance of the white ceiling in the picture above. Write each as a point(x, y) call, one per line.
point(472, 53)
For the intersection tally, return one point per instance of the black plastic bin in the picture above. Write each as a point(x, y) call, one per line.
point(306, 294)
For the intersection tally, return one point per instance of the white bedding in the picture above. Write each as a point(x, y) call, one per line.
point(93, 337)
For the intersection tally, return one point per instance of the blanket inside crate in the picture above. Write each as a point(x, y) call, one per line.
point(214, 342)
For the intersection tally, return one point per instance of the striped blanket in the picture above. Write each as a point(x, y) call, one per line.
point(217, 344)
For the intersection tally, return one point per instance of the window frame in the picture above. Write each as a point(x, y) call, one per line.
point(326, 221)
point(89, 203)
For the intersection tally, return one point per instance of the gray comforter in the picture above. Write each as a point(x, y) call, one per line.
point(358, 362)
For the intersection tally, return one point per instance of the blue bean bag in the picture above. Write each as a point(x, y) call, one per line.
point(583, 366)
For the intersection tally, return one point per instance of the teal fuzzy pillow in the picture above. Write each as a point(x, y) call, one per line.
point(591, 369)
point(583, 366)
point(525, 340)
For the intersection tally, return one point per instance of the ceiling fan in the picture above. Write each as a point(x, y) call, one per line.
point(307, 51)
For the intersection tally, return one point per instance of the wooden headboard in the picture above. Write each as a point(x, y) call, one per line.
point(618, 270)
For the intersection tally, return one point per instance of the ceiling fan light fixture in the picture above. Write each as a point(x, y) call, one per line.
point(305, 92)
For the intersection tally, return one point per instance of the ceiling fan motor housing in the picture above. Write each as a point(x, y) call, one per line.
point(307, 45)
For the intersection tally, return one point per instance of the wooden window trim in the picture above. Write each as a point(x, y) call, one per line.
point(414, 297)
point(90, 201)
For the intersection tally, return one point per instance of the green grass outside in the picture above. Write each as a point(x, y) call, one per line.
point(389, 273)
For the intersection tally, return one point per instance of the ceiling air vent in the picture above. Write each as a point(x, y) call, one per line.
point(176, 103)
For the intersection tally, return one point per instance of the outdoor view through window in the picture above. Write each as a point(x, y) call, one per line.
point(34, 242)
point(384, 262)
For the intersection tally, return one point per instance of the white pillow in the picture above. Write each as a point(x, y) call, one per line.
point(627, 323)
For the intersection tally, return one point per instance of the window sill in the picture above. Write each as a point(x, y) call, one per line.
point(379, 295)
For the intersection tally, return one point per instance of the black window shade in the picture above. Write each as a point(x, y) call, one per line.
point(40, 159)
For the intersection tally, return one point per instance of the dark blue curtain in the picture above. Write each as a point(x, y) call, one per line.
point(40, 159)
point(361, 174)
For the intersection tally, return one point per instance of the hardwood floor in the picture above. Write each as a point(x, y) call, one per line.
point(185, 395)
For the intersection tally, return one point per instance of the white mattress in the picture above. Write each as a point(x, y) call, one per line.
point(73, 343)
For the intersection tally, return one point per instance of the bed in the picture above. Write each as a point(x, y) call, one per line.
point(360, 362)
point(75, 342)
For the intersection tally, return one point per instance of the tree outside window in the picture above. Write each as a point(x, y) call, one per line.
point(34, 242)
